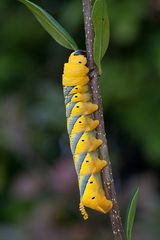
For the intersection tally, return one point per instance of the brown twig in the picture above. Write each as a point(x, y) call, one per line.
point(107, 177)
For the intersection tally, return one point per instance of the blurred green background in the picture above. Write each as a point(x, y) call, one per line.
point(38, 187)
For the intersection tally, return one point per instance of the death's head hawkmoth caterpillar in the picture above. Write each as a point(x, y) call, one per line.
point(81, 129)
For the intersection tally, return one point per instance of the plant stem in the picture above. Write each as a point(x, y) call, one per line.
point(107, 177)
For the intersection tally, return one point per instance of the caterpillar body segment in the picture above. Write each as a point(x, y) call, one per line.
point(72, 81)
point(80, 108)
point(88, 163)
point(78, 97)
point(81, 129)
point(94, 197)
point(81, 124)
point(80, 89)
point(87, 143)
point(72, 70)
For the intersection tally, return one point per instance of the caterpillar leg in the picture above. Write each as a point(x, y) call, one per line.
point(83, 211)
point(100, 164)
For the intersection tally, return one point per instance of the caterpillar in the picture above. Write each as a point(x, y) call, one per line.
point(81, 129)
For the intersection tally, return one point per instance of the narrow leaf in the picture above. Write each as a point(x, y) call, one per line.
point(101, 30)
point(57, 32)
point(131, 214)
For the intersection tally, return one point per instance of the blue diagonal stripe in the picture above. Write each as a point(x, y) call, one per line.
point(68, 99)
point(83, 185)
point(72, 122)
point(67, 90)
point(77, 136)
point(69, 109)
point(80, 162)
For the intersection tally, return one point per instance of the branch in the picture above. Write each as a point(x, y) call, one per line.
point(107, 177)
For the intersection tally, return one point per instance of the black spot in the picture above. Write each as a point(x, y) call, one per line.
point(75, 96)
point(93, 197)
point(79, 62)
point(82, 140)
point(77, 107)
point(76, 88)
point(91, 182)
point(80, 122)
point(87, 161)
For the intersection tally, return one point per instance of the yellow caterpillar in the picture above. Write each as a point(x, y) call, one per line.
point(83, 142)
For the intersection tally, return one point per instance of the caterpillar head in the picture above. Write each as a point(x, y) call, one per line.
point(78, 57)
point(79, 52)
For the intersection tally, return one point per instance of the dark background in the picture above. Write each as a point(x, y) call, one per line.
point(38, 187)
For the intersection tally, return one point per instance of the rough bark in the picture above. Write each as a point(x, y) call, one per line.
point(107, 176)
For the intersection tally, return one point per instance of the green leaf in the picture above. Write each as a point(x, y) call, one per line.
point(51, 25)
point(101, 30)
point(131, 214)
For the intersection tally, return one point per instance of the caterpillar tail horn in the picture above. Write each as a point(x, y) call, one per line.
point(83, 211)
